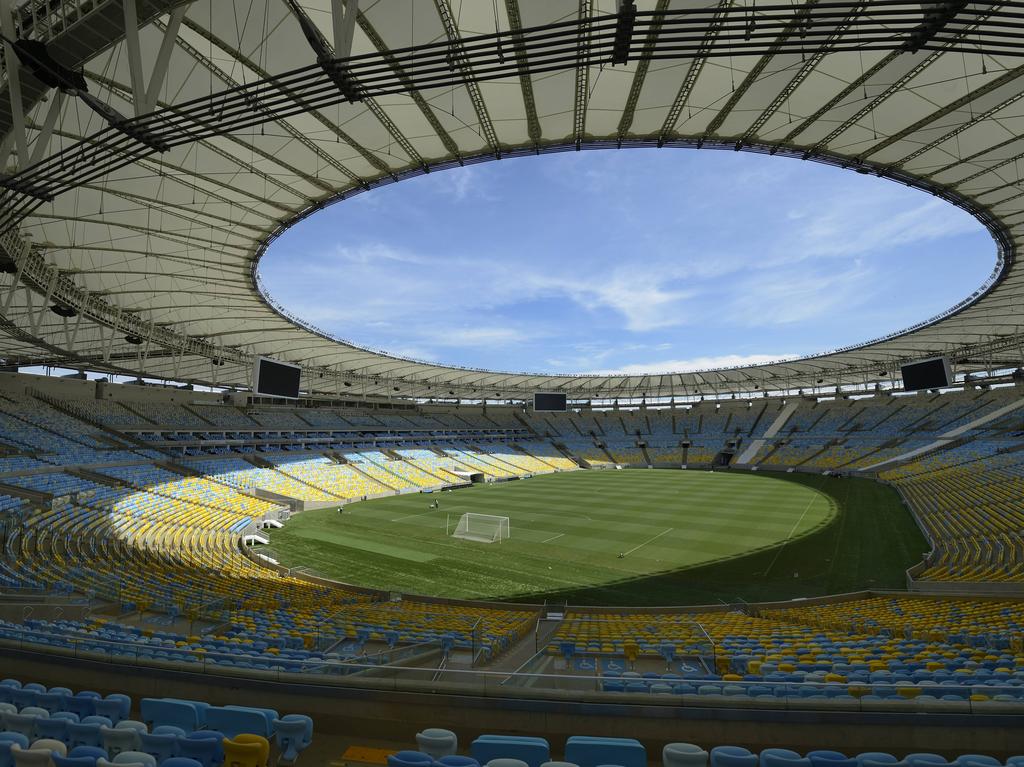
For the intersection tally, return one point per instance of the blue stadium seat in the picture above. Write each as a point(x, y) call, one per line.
point(205, 747)
point(589, 751)
point(733, 756)
point(293, 734)
point(533, 751)
point(409, 759)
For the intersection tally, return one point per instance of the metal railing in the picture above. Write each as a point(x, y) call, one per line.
point(379, 672)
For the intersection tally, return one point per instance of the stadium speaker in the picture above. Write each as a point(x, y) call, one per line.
point(135, 340)
point(62, 310)
point(347, 383)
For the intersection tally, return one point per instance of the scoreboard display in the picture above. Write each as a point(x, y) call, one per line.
point(271, 378)
point(933, 373)
point(549, 402)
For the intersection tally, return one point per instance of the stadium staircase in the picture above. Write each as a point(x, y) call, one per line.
point(520, 449)
point(810, 458)
point(526, 424)
point(604, 449)
point(747, 456)
point(397, 480)
point(263, 463)
point(354, 465)
point(424, 468)
point(562, 448)
point(118, 436)
point(128, 406)
point(35, 496)
point(946, 440)
point(889, 444)
point(97, 478)
point(497, 461)
point(758, 417)
point(199, 416)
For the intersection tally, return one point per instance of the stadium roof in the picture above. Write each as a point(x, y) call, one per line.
point(138, 210)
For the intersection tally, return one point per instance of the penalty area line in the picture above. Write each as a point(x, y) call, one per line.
point(791, 532)
point(410, 516)
point(548, 540)
point(649, 540)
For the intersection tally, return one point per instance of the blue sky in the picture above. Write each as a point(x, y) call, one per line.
point(627, 261)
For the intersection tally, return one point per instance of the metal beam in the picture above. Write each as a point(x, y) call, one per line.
point(13, 71)
point(163, 57)
point(460, 61)
point(629, 110)
point(696, 67)
point(46, 132)
point(878, 100)
point(971, 95)
point(367, 155)
point(807, 67)
point(343, 18)
point(131, 40)
point(522, 60)
point(582, 89)
point(794, 25)
point(425, 108)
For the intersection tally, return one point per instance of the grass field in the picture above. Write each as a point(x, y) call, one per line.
point(687, 537)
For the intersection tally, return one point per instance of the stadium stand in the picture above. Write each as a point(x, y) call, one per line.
point(86, 726)
point(159, 537)
point(154, 152)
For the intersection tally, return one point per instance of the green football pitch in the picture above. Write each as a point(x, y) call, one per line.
point(632, 537)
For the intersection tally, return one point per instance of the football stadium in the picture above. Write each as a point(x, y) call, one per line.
point(229, 535)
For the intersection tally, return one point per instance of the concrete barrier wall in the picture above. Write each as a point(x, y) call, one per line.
point(361, 713)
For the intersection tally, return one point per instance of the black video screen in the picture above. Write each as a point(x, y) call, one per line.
point(548, 402)
point(276, 380)
point(930, 374)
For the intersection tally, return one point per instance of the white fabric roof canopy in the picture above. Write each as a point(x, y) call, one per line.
point(166, 246)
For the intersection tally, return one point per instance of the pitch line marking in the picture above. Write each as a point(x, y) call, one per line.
point(548, 540)
point(640, 546)
point(410, 516)
point(790, 536)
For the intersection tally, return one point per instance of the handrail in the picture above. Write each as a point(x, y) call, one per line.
point(360, 673)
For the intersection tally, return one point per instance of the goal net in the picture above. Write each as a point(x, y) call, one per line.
point(485, 528)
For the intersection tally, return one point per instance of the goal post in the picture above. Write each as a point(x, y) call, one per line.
point(483, 528)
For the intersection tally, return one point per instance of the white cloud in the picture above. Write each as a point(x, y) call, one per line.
point(368, 254)
point(692, 364)
point(600, 259)
point(790, 296)
point(474, 337)
point(866, 223)
point(641, 298)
